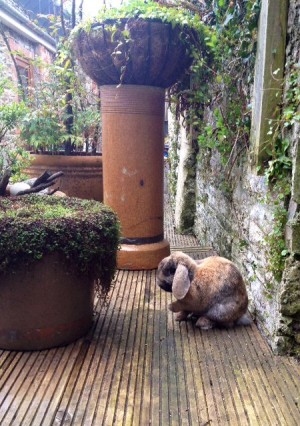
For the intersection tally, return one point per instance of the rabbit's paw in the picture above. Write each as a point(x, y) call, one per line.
point(181, 316)
point(204, 323)
point(175, 307)
point(171, 307)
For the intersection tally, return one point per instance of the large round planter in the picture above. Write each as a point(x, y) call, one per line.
point(153, 53)
point(82, 176)
point(44, 305)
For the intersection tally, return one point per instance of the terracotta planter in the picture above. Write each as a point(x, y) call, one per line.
point(82, 174)
point(44, 305)
point(153, 54)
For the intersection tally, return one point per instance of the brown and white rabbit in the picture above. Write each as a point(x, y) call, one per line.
point(212, 289)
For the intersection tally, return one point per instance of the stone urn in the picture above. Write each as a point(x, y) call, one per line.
point(134, 61)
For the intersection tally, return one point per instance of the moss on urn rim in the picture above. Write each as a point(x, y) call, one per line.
point(84, 232)
point(149, 10)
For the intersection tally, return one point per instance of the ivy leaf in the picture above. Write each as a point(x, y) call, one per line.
point(228, 18)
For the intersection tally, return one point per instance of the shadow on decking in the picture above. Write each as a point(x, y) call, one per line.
point(137, 366)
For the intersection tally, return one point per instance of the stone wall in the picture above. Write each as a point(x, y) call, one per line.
point(182, 174)
point(288, 335)
point(235, 213)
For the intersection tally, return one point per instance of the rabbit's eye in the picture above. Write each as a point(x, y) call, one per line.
point(169, 271)
point(172, 270)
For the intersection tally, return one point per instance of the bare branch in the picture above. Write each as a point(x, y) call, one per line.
point(63, 26)
point(55, 176)
point(36, 189)
point(46, 177)
point(53, 191)
point(80, 10)
point(4, 182)
point(73, 16)
point(41, 179)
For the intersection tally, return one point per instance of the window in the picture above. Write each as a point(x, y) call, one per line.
point(25, 74)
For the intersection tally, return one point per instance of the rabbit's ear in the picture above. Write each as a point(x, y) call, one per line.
point(181, 282)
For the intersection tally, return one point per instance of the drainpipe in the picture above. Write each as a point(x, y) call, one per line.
point(15, 20)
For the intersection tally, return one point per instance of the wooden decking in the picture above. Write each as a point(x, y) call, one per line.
point(138, 366)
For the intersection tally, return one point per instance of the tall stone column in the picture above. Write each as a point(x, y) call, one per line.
point(133, 169)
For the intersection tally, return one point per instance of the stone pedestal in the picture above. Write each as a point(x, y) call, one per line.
point(133, 142)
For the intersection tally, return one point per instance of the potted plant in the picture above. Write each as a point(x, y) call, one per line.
point(139, 43)
point(54, 253)
point(54, 143)
point(62, 127)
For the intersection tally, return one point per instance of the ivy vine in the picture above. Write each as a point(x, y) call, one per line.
point(221, 80)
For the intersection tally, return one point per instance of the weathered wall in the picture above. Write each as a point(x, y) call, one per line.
point(235, 222)
point(288, 334)
point(183, 160)
point(235, 213)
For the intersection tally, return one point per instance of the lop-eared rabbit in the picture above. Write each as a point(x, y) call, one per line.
point(211, 289)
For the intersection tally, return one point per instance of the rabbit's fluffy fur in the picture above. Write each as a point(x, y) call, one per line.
point(211, 289)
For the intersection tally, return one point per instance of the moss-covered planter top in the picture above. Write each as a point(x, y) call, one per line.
point(144, 44)
point(153, 55)
point(84, 232)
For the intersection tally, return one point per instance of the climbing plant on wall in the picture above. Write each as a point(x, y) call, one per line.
point(221, 79)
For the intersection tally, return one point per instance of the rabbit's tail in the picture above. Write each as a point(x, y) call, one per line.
point(244, 319)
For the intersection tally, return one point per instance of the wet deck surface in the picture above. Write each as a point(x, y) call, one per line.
point(138, 367)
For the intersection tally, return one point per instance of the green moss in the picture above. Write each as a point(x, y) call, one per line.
point(290, 296)
point(278, 198)
point(84, 232)
point(151, 10)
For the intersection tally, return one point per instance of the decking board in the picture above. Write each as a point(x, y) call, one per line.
point(138, 366)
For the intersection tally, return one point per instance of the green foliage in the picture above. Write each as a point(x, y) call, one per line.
point(291, 113)
point(221, 79)
point(10, 112)
point(12, 157)
point(42, 129)
point(277, 251)
point(84, 232)
point(10, 116)
point(177, 15)
point(279, 165)
point(278, 171)
point(64, 110)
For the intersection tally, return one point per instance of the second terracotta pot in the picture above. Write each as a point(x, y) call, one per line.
point(82, 174)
